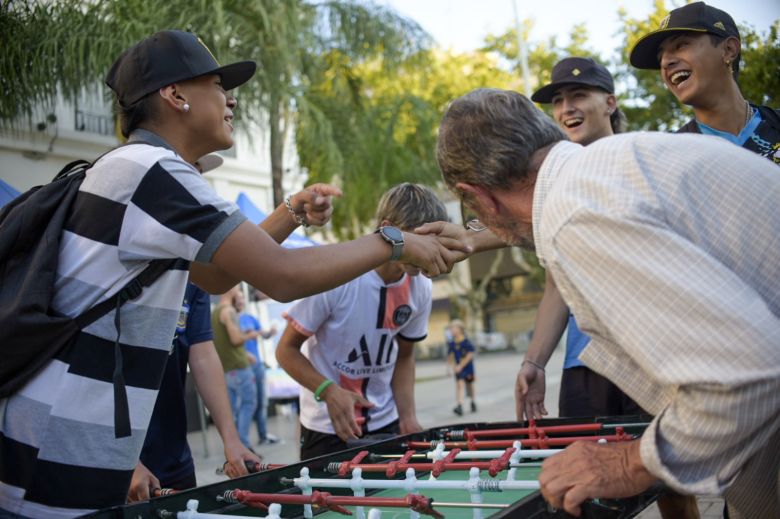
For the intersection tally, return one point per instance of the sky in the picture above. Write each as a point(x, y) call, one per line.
point(462, 24)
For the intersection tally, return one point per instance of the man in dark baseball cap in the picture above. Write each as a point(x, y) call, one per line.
point(583, 99)
point(168, 57)
point(575, 71)
point(697, 50)
point(696, 17)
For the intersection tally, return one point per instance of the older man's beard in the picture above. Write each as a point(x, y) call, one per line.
point(513, 233)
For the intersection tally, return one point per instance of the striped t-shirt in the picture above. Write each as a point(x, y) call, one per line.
point(58, 453)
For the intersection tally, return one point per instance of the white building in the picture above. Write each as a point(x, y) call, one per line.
point(85, 129)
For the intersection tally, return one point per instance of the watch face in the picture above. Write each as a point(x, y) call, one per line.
point(393, 233)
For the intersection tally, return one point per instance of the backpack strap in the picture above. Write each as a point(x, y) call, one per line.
point(131, 290)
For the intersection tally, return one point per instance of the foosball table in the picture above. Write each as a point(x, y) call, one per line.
point(473, 471)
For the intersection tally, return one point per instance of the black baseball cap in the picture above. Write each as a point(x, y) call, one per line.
point(695, 17)
point(167, 57)
point(575, 71)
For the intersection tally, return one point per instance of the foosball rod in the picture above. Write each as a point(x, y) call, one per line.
point(527, 442)
point(416, 502)
point(251, 466)
point(472, 455)
point(411, 483)
point(533, 429)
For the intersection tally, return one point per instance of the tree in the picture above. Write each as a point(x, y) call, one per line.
point(385, 126)
point(288, 39)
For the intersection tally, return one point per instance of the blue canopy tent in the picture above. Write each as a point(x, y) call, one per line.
point(255, 215)
point(7, 193)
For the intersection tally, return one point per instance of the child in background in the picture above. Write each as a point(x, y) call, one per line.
point(460, 355)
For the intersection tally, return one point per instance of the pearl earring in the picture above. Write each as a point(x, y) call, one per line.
point(728, 62)
point(186, 107)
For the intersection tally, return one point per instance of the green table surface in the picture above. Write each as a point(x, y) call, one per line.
point(507, 497)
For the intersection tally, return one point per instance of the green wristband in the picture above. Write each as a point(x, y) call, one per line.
point(322, 387)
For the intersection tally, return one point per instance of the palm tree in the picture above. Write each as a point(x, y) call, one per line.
point(62, 46)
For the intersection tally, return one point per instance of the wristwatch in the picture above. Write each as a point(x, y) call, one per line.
point(395, 238)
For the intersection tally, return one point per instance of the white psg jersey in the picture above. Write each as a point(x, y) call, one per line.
point(352, 332)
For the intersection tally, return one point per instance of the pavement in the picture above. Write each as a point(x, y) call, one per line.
point(434, 400)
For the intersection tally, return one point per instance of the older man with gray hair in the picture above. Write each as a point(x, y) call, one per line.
point(665, 247)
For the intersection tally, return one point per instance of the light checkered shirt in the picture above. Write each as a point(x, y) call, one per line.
point(667, 250)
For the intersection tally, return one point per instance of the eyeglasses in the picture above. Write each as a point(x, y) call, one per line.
point(475, 225)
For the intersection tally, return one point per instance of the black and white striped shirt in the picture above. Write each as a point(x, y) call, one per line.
point(58, 453)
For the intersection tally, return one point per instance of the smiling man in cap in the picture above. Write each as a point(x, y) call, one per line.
point(697, 48)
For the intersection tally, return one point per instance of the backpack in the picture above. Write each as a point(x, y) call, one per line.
point(31, 332)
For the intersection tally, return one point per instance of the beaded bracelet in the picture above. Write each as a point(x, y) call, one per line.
point(534, 364)
point(300, 220)
point(322, 387)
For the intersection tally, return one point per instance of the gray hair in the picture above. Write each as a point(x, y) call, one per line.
point(408, 205)
point(487, 138)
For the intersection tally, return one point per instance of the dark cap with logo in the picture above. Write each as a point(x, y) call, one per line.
point(575, 71)
point(695, 17)
point(167, 57)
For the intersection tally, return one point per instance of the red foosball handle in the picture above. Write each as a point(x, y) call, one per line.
point(416, 502)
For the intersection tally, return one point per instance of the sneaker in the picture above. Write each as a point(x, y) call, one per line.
point(270, 440)
point(458, 410)
point(473, 407)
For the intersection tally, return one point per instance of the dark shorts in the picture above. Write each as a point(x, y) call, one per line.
point(585, 393)
point(468, 377)
point(315, 443)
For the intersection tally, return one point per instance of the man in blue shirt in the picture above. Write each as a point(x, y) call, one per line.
point(697, 50)
point(248, 322)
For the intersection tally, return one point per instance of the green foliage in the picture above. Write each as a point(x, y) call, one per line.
point(383, 125)
point(759, 76)
point(288, 39)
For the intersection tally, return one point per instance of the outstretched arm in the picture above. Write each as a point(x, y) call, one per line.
point(313, 204)
point(551, 321)
point(479, 241)
point(210, 380)
point(251, 255)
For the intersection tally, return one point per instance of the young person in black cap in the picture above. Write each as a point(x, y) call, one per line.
point(697, 48)
point(68, 445)
point(582, 94)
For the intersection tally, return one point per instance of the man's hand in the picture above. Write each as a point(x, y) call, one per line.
point(587, 470)
point(529, 393)
point(314, 203)
point(142, 484)
point(476, 240)
point(341, 408)
point(446, 229)
point(458, 369)
point(434, 255)
point(251, 358)
point(236, 455)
